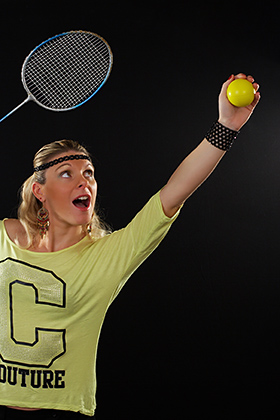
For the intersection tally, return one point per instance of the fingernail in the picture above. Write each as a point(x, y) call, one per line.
point(230, 76)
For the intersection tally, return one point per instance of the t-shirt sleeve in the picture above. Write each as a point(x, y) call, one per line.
point(140, 238)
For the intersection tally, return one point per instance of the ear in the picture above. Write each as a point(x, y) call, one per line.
point(38, 192)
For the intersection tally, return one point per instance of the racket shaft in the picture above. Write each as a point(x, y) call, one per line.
point(16, 108)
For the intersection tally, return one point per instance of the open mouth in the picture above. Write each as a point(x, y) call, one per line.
point(82, 202)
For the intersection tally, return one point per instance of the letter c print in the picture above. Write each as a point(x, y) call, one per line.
point(30, 295)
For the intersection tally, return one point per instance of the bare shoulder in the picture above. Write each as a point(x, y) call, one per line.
point(15, 230)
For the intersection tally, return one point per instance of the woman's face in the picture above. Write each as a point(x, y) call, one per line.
point(69, 193)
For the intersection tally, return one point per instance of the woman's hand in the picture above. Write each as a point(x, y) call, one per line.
point(231, 116)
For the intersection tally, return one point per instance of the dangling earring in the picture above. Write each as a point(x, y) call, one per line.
point(88, 227)
point(43, 222)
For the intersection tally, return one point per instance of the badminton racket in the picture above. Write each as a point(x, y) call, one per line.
point(66, 70)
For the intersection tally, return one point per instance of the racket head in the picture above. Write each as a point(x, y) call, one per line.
point(66, 70)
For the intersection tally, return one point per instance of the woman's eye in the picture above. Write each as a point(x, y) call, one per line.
point(89, 173)
point(65, 174)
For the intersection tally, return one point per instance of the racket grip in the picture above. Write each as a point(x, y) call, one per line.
point(16, 108)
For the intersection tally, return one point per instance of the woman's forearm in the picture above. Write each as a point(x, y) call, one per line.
point(189, 175)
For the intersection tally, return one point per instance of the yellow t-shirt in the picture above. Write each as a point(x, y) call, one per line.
point(52, 306)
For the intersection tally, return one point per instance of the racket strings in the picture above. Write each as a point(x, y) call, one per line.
point(67, 70)
point(73, 82)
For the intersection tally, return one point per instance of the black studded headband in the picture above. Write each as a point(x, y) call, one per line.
point(59, 160)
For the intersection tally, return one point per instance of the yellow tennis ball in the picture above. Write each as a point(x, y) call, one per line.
point(240, 92)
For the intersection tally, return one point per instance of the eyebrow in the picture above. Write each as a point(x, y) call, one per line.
point(62, 166)
point(69, 164)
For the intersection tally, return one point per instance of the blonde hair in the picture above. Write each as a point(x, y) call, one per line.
point(29, 204)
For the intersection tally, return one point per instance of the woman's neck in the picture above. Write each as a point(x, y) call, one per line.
point(55, 240)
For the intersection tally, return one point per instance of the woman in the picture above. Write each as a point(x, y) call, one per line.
point(60, 270)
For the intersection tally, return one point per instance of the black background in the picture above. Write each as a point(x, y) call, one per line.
point(195, 332)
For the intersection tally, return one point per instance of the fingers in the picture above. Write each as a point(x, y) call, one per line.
point(237, 76)
point(256, 86)
point(256, 99)
point(243, 76)
point(240, 76)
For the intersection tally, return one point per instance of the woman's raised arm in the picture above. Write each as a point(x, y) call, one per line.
point(199, 164)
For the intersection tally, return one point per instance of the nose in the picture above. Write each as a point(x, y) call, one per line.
point(82, 182)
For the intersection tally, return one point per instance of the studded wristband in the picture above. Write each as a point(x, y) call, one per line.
point(221, 136)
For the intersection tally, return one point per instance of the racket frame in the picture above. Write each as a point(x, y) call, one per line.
point(30, 95)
